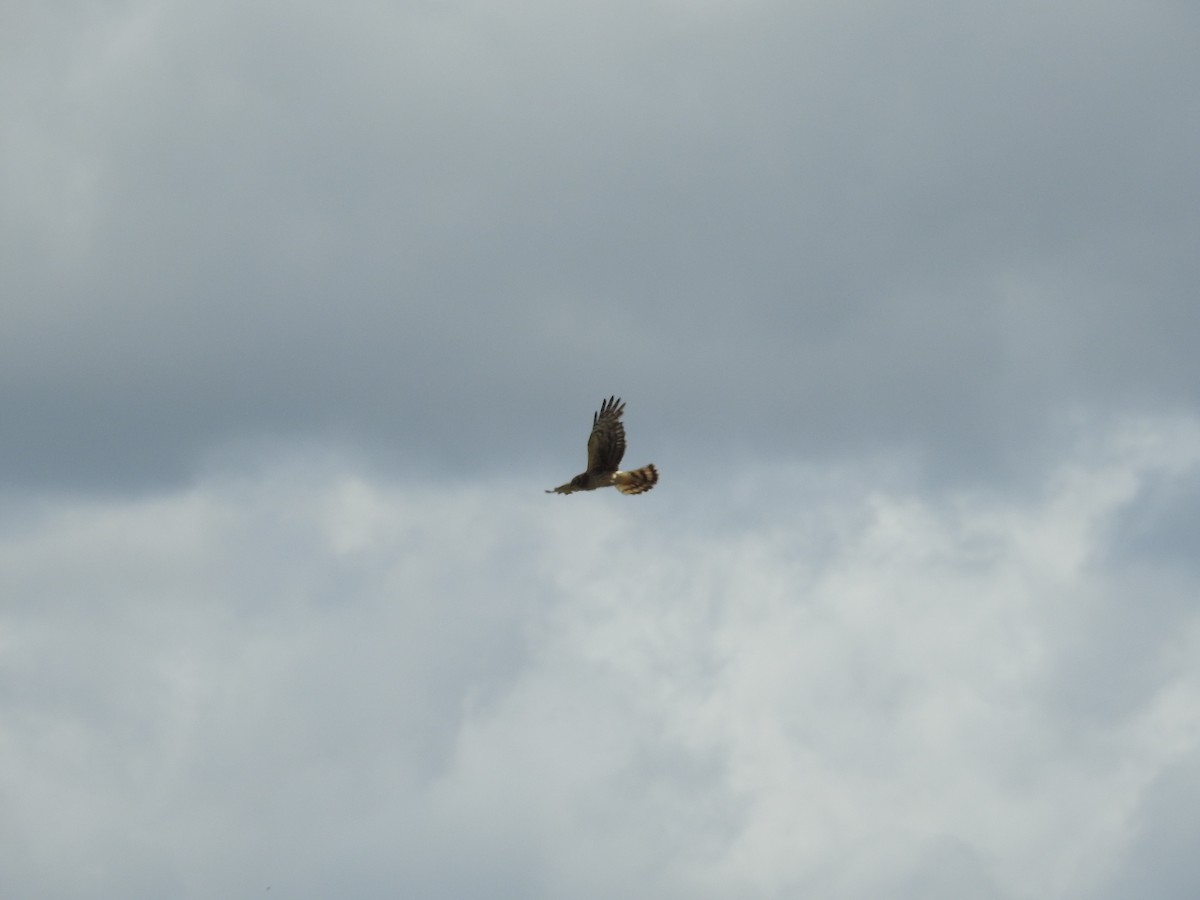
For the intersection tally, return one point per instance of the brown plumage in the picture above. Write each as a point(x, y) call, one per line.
point(606, 446)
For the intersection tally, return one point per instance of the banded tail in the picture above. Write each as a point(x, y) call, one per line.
point(637, 481)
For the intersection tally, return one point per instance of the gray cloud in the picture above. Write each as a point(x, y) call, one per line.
point(918, 228)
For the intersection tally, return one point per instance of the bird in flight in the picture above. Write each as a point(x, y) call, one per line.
point(606, 446)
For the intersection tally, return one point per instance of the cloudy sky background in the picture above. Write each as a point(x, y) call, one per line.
point(305, 304)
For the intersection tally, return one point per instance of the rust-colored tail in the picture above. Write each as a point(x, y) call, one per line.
point(638, 481)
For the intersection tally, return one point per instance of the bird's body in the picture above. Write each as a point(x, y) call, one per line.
point(606, 446)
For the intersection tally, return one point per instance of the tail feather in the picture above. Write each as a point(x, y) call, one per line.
point(637, 481)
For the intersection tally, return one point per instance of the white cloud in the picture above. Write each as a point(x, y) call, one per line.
point(315, 678)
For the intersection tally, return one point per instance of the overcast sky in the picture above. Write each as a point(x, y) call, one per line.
point(305, 304)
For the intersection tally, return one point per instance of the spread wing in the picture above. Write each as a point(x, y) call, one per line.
point(606, 445)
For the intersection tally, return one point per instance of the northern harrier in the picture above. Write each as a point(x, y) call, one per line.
point(606, 446)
